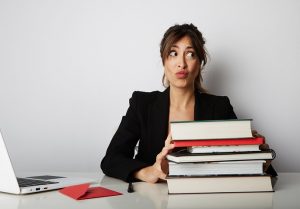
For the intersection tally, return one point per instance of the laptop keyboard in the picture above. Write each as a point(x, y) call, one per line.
point(45, 177)
point(24, 182)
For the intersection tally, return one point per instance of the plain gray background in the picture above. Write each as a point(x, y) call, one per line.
point(69, 67)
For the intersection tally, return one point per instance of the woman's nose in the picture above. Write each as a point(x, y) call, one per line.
point(181, 63)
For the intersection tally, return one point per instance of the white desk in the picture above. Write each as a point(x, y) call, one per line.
point(154, 196)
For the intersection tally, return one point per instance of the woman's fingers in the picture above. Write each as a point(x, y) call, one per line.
point(165, 150)
point(168, 140)
point(162, 175)
point(171, 146)
point(160, 163)
point(159, 157)
point(254, 132)
point(162, 154)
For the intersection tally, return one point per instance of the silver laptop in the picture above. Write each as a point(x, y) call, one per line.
point(9, 183)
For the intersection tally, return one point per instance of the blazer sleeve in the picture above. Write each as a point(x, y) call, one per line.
point(119, 159)
point(223, 109)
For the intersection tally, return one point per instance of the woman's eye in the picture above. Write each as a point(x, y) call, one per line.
point(173, 53)
point(190, 55)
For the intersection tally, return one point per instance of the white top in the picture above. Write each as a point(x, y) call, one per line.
point(146, 196)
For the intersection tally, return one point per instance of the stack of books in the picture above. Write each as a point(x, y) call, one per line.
point(217, 156)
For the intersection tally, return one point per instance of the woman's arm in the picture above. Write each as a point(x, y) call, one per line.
point(118, 161)
point(223, 109)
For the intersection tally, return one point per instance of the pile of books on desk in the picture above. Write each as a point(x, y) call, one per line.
point(217, 156)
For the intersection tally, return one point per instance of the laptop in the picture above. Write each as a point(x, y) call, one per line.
point(9, 183)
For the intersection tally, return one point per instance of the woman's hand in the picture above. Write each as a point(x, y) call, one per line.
point(159, 169)
point(264, 146)
point(256, 134)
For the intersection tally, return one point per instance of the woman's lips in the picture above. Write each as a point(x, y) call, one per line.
point(182, 74)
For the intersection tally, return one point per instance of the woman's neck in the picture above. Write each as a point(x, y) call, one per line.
point(182, 98)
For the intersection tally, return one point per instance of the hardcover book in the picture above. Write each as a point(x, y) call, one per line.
point(211, 129)
point(227, 148)
point(216, 168)
point(219, 184)
point(183, 156)
point(218, 142)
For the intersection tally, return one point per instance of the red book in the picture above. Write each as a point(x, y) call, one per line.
point(218, 142)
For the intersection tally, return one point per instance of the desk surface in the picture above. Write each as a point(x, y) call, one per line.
point(155, 196)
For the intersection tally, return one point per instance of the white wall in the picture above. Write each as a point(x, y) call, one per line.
point(68, 68)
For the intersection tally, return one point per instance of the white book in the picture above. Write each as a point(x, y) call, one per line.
point(186, 157)
point(216, 168)
point(219, 184)
point(211, 129)
point(258, 200)
point(227, 148)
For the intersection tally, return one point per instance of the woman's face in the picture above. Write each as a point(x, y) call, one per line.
point(182, 65)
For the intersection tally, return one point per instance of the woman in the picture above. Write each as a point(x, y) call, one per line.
point(147, 119)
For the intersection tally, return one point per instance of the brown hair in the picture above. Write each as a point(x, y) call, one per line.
point(174, 34)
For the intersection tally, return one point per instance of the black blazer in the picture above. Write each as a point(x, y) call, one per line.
point(147, 121)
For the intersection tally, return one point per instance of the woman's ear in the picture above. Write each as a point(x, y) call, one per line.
point(165, 80)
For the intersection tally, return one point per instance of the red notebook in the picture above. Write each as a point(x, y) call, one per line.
point(218, 142)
